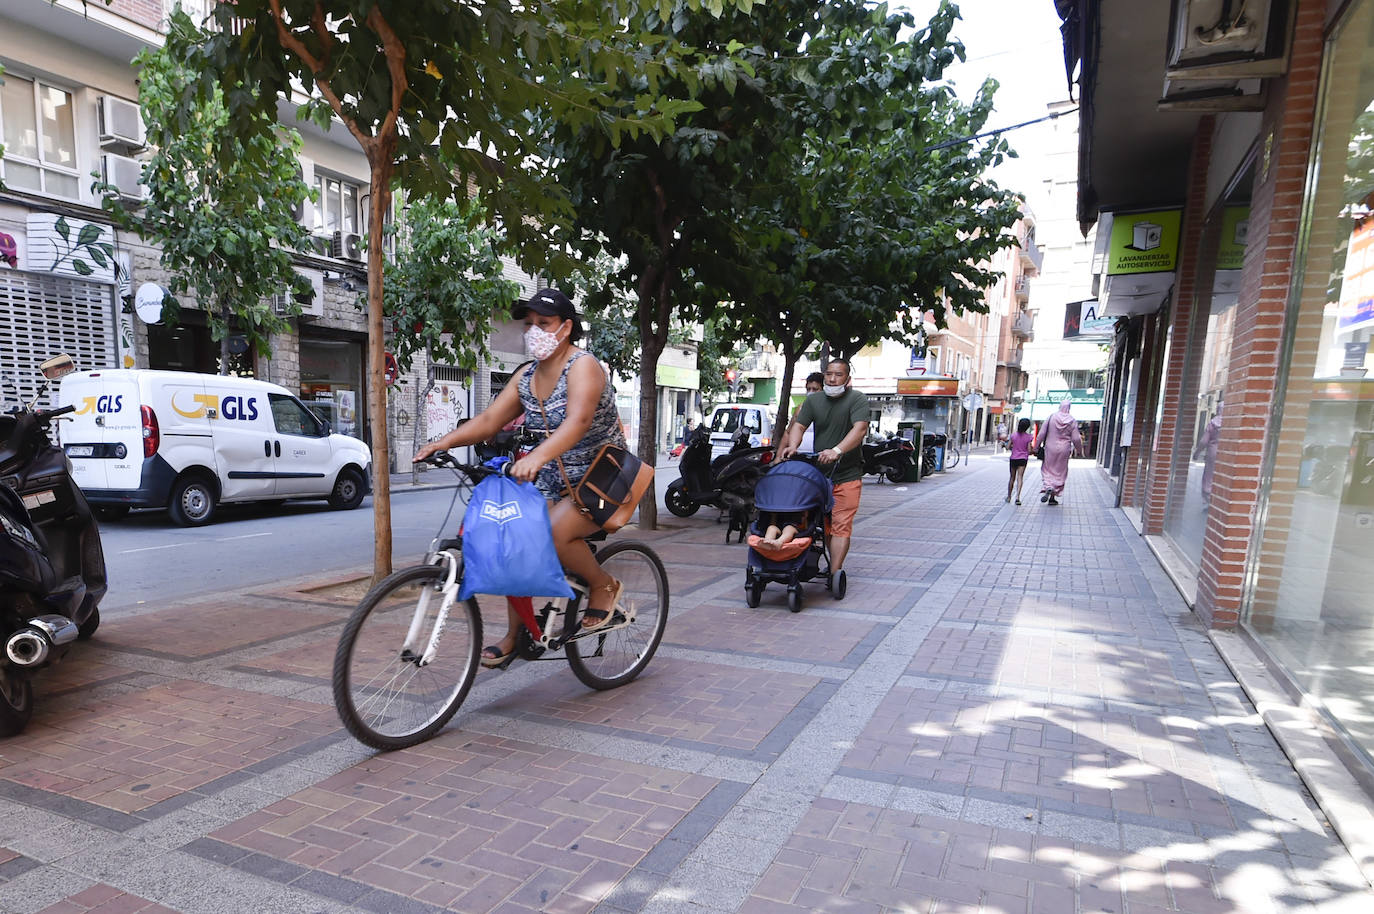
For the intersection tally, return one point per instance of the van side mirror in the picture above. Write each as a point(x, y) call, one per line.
point(56, 367)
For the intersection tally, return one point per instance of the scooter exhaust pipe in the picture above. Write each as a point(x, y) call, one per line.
point(31, 645)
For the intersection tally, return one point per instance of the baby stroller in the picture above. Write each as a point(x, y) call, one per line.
point(792, 493)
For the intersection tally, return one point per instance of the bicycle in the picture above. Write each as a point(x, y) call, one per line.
point(409, 653)
point(952, 455)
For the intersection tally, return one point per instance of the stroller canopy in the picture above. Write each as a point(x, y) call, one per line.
point(794, 485)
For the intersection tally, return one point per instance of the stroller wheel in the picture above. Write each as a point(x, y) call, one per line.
point(838, 584)
point(753, 593)
point(794, 599)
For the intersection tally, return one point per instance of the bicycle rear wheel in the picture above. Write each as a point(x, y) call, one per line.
point(386, 694)
point(614, 658)
point(952, 456)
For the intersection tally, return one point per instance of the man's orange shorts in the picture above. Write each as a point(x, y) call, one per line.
point(846, 506)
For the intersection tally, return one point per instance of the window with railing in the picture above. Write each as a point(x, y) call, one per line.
point(39, 126)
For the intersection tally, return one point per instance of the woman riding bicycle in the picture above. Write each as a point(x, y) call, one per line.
point(566, 397)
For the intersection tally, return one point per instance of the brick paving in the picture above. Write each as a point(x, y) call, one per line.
point(1010, 711)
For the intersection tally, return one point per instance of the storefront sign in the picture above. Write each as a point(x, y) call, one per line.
point(1084, 320)
point(1144, 242)
point(928, 387)
point(1354, 355)
point(676, 376)
point(1074, 395)
point(1235, 231)
point(71, 247)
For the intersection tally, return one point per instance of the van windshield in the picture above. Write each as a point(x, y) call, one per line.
point(729, 420)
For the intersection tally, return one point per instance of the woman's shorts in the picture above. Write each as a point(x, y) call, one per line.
point(1018, 462)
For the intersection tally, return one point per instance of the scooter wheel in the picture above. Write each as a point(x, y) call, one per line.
point(677, 500)
point(86, 629)
point(16, 700)
point(894, 473)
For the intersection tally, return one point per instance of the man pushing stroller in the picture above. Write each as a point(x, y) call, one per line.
point(839, 415)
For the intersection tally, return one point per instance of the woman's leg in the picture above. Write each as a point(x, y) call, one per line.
point(1011, 481)
point(1019, 477)
point(507, 643)
point(569, 528)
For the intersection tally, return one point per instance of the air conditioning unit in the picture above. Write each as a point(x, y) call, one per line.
point(311, 303)
point(347, 246)
point(125, 174)
point(121, 124)
point(746, 390)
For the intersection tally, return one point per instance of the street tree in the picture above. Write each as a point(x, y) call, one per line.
point(428, 89)
point(858, 226)
point(221, 205)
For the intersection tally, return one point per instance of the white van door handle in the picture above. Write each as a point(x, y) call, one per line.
point(267, 449)
point(276, 448)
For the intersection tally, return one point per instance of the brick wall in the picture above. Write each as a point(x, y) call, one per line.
point(1187, 336)
point(144, 12)
point(1275, 211)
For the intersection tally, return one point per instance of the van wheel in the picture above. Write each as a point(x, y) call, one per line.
point(193, 501)
point(348, 490)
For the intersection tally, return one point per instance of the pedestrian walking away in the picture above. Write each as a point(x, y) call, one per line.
point(1060, 438)
point(1021, 441)
point(1206, 451)
point(839, 415)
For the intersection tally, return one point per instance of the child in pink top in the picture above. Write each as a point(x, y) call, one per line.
point(1021, 441)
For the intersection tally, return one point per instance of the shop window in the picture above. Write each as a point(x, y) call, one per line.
point(39, 130)
point(1202, 410)
point(1309, 601)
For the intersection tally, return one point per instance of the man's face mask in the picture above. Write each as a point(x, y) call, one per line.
point(835, 390)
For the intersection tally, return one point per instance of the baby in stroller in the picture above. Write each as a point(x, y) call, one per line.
point(787, 539)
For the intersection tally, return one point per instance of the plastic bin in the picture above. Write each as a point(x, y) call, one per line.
point(938, 441)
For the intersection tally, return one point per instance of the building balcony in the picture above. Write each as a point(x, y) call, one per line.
point(1023, 326)
point(1022, 289)
point(1012, 359)
point(1032, 256)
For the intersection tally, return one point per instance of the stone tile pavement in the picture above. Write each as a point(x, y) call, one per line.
point(1010, 711)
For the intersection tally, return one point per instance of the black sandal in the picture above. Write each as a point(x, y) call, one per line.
point(493, 659)
point(593, 619)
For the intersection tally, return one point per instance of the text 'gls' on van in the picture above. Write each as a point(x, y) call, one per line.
point(189, 442)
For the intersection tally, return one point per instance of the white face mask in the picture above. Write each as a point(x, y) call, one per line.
point(540, 343)
point(835, 390)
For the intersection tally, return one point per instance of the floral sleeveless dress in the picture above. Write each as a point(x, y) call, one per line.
point(605, 428)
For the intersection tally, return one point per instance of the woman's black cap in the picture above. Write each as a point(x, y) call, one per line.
point(547, 301)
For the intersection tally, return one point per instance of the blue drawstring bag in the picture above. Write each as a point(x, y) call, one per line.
point(508, 542)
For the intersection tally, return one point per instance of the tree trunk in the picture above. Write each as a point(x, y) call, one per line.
point(649, 307)
point(382, 162)
point(789, 367)
point(224, 343)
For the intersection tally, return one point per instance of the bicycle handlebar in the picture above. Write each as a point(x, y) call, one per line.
point(474, 471)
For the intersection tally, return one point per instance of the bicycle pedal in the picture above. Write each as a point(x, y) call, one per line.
point(618, 620)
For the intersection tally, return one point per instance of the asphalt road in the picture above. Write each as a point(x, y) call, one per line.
point(149, 558)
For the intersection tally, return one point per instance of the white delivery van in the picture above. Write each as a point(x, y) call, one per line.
point(190, 442)
point(730, 419)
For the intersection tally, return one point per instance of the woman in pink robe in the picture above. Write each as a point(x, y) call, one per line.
point(1060, 438)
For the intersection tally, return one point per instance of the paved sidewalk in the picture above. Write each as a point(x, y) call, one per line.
point(1011, 711)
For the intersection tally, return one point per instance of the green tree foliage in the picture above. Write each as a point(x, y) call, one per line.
point(222, 205)
point(428, 88)
point(444, 285)
point(856, 227)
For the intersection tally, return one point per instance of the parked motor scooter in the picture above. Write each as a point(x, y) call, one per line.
point(726, 482)
point(891, 457)
point(52, 568)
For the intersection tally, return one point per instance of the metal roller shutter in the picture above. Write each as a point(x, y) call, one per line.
point(42, 315)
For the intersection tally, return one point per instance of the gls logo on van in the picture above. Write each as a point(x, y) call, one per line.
point(110, 403)
point(244, 408)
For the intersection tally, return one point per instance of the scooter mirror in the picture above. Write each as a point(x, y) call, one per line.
point(58, 366)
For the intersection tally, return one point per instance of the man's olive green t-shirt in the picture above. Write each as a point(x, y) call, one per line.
point(833, 417)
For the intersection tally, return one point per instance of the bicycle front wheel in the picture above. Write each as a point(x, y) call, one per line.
point(952, 458)
point(388, 694)
point(614, 658)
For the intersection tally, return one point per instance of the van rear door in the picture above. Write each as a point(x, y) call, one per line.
point(103, 436)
